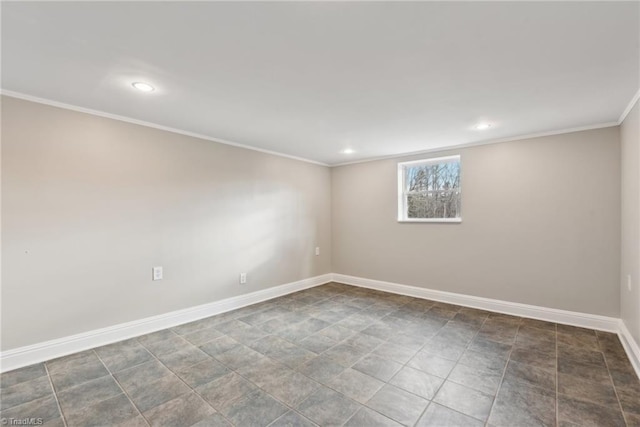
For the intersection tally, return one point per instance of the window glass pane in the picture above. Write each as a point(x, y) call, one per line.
point(435, 176)
point(439, 204)
point(432, 190)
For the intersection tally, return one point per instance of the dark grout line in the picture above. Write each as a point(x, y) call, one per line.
point(557, 380)
point(615, 389)
point(55, 394)
point(504, 371)
point(121, 388)
point(339, 297)
point(452, 369)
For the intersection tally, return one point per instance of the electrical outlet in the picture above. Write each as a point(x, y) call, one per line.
point(317, 250)
point(243, 278)
point(157, 273)
point(628, 282)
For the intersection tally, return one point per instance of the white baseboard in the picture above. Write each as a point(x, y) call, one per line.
point(24, 356)
point(591, 321)
point(630, 346)
point(565, 317)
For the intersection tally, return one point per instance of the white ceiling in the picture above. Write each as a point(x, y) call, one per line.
point(310, 79)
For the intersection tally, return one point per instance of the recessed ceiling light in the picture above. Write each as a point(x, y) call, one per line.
point(347, 151)
point(143, 87)
point(483, 126)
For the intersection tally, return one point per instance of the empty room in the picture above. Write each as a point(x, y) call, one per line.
point(311, 213)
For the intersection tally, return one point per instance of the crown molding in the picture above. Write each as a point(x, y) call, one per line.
point(478, 143)
point(125, 119)
point(99, 113)
point(627, 110)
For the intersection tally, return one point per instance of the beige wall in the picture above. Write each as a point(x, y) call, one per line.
point(630, 300)
point(90, 205)
point(540, 224)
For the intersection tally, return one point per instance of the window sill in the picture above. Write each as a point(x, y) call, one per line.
point(445, 220)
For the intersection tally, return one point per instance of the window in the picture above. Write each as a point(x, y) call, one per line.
point(429, 190)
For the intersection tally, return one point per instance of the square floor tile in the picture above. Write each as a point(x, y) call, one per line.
point(219, 345)
point(521, 405)
point(377, 367)
point(477, 379)
point(321, 369)
point(345, 354)
point(113, 411)
point(158, 392)
point(117, 359)
point(369, 418)
point(140, 375)
point(171, 344)
point(202, 336)
point(326, 407)
point(21, 375)
point(291, 387)
point(397, 404)
point(182, 359)
point(24, 392)
point(222, 392)
point(185, 410)
point(441, 416)
point(238, 357)
point(355, 385)
point(45, 408)
point(394, 352)
point(463, 399)
point(431, 364)
point(601, 393)
point(88, 393)
point(417, 382)
point(530, 375)
point(292, 419)
point(202, 373)
point(588, 414)
point(304, 358)
point(254, 409)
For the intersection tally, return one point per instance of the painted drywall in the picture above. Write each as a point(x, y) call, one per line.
point(540, 224)
point(630, 265)
point(90, 205)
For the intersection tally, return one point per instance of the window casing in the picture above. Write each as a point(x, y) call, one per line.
point(429, 190)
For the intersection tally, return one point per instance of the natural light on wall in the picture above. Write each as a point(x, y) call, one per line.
point(429, 190)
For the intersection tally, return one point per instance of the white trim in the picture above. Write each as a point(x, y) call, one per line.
point(452, 220)
point(24, 356)
point(477, 143)
point(630, 346)
point(627, 110)
point(432, 160)
point(402, 184)
point(565, 317)
point(52, 103)
point(584, 320)
point(99, 113)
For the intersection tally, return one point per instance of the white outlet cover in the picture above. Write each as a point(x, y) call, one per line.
point(317, 250)
point(243, 278)
point(157, 273)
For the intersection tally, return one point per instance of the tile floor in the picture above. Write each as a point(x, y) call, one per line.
point(338, 355)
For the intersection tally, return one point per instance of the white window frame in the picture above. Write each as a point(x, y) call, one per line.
point(402, 199)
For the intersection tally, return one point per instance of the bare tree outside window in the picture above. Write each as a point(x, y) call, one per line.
point(429, 190)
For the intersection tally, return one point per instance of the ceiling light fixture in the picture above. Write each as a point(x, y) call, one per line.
point(347, 151)
point(143, 87)
point(483, 126)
